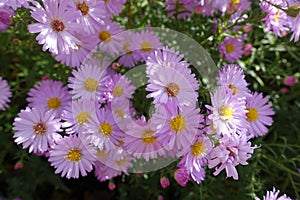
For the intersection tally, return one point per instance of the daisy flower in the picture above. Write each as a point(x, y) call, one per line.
point(258, 115)
point(231, 49)
point(77, 56)
point(109, 35)
point(86, 82)
point(123, 113)
point(5, 94)
point(236, 8)
point(114, 7)
point(127, 59)
point(228, 113)
point(51, 95)
point(102, 131)
point(273, 195)
point(116, 88)
point(210, 7)
point(181, 176)
point(233, 77)
point(164, 57)
point(78, 115)
point(175, 128)
point(72, 156)
point(232, 151)
point(55, 26)
point(92, 13)
point(6, 14)
point(194, 158)
point(140, 141)
point(145, 43)
point(36, 129)
point(276, 19)
point(169, 85)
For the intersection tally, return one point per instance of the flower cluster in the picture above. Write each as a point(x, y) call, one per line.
point(90, 123)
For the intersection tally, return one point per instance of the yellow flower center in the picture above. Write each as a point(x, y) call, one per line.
point(106, 1)
point(40, 129)
point(53, 103)
point(233, 2)
point(229, 48)
point(198, 148)
point(74, 155)
point(120, 113)
point(84, 8)
point(91, 85)
point(105, 128)
point(126, 48)
point(178, 123)
point(57, 25)
point(226, 111)
point(121, 162)
point(231, 86)
point(146, 46)
point(252, 114)
point(276, 17)
point(118, 91)
point(82, 118)
point(101, 153)
point(148, 137)
point(172, 89)
point(104, 35)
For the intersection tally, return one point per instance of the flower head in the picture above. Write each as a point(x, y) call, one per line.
point(258, 115)
point(232, 151)
point(177, 128)
point(140, 140)
point(55, 26)
point(36, 129)
point(231, 49)
point(72, 156)
point(273, 195)
point(145, 43)
point(228, 112)
point(86, 82)
point(51, 95)
point(170, 85)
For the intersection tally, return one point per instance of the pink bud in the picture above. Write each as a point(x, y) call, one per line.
point(247, 28)
point(160, 197)
point(15, 41)
point(18, 165)
point(290, 81)
point(45, 78)
point(181, 176)
point(115, 65)
point(284, 90)
point(111, 186)
point(164, 181)
point(248, 49)
point(139, 174)
point(198, 9)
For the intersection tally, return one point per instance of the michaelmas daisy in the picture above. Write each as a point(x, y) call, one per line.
point(36, 129)
point(258, 115)
point(72, 156)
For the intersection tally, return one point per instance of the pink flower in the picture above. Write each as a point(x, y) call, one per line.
point(55, 26)
point(111, 186)
point(164, 182)
point(18, 165)
point(181, 176)
point(290, 81)
point(232, 151)
point(248, 49)
point(231, 49)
